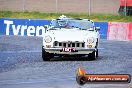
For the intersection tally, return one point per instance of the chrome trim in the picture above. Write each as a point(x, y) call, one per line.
point(69, 44)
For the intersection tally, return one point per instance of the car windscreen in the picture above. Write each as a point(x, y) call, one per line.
point(81, 24)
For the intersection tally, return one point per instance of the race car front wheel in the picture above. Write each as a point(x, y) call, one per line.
point(93, 55)
point(97, 55)
point(46, 56)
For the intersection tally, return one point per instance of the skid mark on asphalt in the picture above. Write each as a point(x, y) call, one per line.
point(11, 82)
point(31, 81)
point(22, 51)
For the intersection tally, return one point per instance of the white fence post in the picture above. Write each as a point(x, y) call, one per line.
point(89, 10)
point(56, 6)
point(23, 5)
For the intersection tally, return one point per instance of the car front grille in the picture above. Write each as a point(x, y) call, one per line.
point(69, 44)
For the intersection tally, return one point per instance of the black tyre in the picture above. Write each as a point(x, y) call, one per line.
point(92, 56)
point(97, 55)
point(97, 49)
point(46, 56)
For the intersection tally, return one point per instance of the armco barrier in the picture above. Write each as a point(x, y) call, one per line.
point(35, 27)
point(119, 31)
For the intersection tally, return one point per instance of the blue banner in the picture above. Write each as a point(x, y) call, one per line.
point(103, 29)
point(35, 27)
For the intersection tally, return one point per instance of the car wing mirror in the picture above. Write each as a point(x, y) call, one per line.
point(46, 26)
point(97, 28)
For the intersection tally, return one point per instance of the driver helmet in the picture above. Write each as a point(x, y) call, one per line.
point(62, 17)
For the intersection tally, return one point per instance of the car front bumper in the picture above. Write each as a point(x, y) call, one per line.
point(77, 51)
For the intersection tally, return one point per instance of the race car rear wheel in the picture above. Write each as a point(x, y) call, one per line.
point(46, 56)
point(93, 55)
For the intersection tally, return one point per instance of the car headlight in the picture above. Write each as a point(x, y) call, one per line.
point(48, 39)
point(90, 40)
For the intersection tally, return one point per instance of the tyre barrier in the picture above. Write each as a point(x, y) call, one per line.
point(121, 31)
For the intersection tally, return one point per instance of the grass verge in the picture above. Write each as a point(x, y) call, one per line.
point(38, 15)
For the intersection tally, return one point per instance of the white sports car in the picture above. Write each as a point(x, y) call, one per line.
point(68, 36)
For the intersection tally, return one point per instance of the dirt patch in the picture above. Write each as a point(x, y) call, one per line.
point(67, 6)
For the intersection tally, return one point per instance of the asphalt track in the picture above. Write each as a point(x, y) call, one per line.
point(21, 65)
